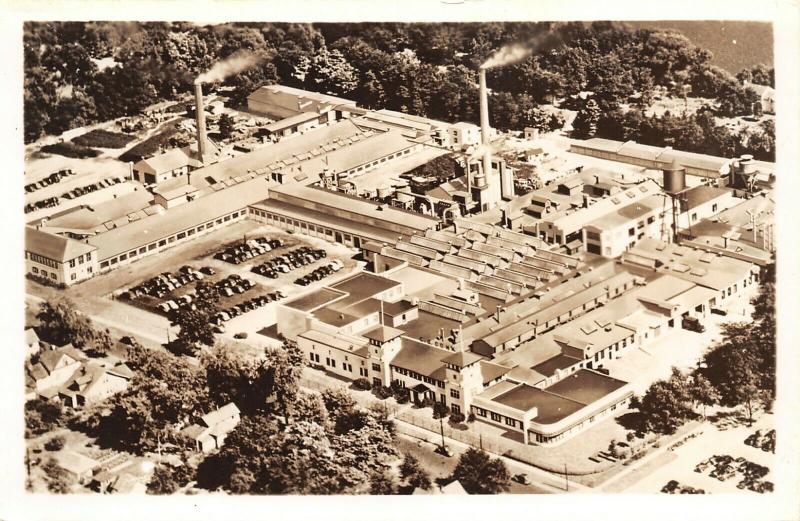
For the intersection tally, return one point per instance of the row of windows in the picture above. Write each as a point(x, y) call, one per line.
point(43, 273)
point(417, 376)
point(381, 160)
point(43, 260)
point(511, 422)
point(163, 242)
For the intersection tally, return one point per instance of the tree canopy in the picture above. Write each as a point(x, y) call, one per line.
point(481, 474)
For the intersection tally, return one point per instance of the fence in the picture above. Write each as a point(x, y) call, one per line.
point(490, 443)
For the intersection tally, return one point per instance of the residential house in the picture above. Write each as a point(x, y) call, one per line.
point(215, 426)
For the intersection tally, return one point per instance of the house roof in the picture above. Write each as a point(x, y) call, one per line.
point(462, 358)
point(421, 358)
point(381, 333)
point(221, 414)
point(74, 462)
point(54, 247)
point(491, 371)
point(169, 160)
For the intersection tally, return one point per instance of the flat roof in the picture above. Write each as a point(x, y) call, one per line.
point(335, 341)
point(361, 286)
point(315, 299)
point(381, 333)
point(585, 386)
point(701, 194)
point(551, 365)
point(551, 408)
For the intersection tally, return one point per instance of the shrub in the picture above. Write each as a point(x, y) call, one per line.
point(457, 417)
point(440, 410)
point(471, 418)
point(103, 139)
point(55, 443)
point(149, 146)
point(362, 384)
point(240, 336)
point(382, 391)
point(68, 149)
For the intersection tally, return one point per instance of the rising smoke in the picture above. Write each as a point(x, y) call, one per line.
point(234, 64)
point(541, 41)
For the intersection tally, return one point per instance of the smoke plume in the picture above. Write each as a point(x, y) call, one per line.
point(234, 64)
point(542, 41)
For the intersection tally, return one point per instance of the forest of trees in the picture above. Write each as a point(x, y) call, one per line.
point(424, 69)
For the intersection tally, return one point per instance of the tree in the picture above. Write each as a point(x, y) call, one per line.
point(585, 124)
point(57, 478)
point(703, 392)
point(226, 126)
point(413, 473)
point(231, 378)
point(666, 405)
point(42, 416)
point(480, 474)
point(55, 443)
point(60, 323)
point(284, 367)
point(329, 72)
point(195, 324)
point(382, 484)
point(167, 479)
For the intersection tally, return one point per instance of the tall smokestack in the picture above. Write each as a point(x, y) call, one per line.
point(484, 109)
point(201, 121)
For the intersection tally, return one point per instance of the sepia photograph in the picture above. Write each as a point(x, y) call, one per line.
point(399, 258)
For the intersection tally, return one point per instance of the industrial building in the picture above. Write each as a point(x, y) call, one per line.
point(712, 168)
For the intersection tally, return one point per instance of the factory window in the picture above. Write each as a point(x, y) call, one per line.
point(162, 242)
point(511, 421)
point(132, 254)
point(104, 264)
point(593, 236)
point(227, 218)
point(376, 367)
point(455, 408)
point(114, 261)
point(714, 207)
point(35, 269)
point(152, 246)
point(219, 221)
point(53, 276)
point(171, 239)
point(362, 372)
point(72, 263)
point(123, 256)
point(190, 232)
point(694, 216)
point(481, 412)
point(631, 232)
point(143, 249)
point(495, 416)
point(651, 219)
point(181, 235)
point(454, 393)
point(72, 277)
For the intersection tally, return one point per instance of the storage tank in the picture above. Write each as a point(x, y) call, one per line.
point(480, 181)
point(674, 178)
point(748, 167)
point(384, 192)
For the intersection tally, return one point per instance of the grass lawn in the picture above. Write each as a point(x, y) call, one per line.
point(69, 149)
point(103, 139)
point(152, 144)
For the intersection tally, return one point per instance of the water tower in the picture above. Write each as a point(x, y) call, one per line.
point(675, 187)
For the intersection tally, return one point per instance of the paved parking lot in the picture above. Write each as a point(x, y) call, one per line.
point(711, 442)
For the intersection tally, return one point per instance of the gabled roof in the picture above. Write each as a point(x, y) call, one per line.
point(54, 247)
point(381, 333)
point(462, 358)
point(221, 414)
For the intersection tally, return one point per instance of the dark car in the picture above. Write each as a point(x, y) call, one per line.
point(692, 324)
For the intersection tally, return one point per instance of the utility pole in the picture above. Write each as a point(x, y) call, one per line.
point(566, 477)
point(441, 431)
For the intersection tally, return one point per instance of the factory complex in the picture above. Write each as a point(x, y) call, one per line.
point(503, 307)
